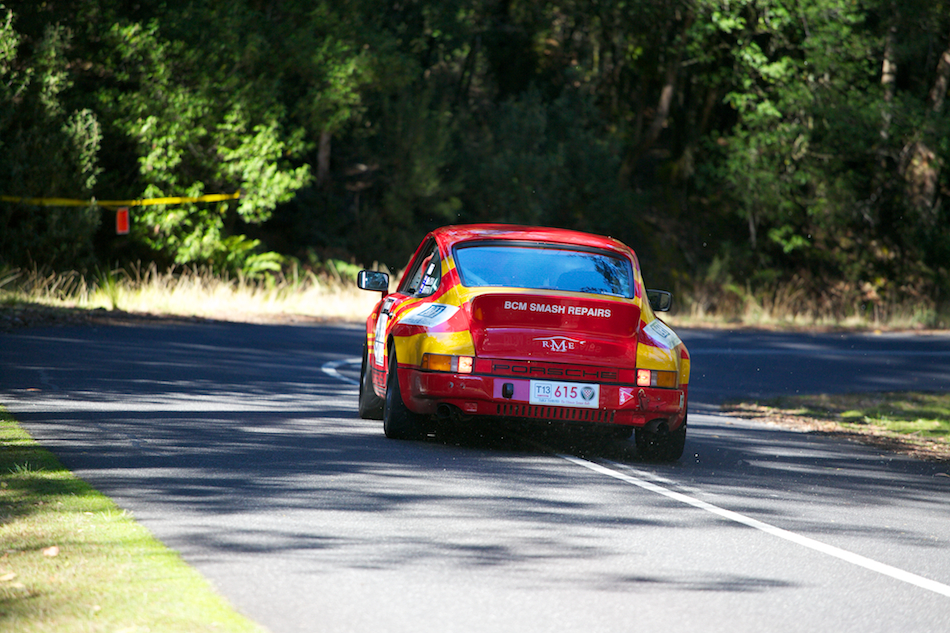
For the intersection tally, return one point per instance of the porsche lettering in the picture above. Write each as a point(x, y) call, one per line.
point(535, 370)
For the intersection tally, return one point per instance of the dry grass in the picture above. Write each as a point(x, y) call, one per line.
point(793, 306)
point(193, 292)
point(331, 294)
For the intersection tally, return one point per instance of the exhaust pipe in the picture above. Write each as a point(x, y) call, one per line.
point(657, 427)
point(448, 413)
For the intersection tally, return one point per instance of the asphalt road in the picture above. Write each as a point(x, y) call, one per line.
point(240, 447)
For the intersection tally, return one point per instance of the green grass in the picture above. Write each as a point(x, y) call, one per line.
point(912, 422)
point(70, 560)
point(925, 415)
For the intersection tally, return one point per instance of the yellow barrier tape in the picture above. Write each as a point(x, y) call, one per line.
point(145, 202)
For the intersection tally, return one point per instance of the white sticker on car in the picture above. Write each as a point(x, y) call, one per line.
point(379, 343)
point(429, 315)
point(662, 334)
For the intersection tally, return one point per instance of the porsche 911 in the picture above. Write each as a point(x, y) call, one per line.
point(527, 324)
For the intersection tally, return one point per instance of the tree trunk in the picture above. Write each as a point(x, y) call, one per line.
point(939, 92)
point(662, 108)
point(888, 78)
point(919, 164)
point(662, 114)
point(323, 159)
point(669, 86)
point(920, 168)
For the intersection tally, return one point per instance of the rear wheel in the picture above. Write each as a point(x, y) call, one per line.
point(399, 423)
point(371, 405)
point(660, 444)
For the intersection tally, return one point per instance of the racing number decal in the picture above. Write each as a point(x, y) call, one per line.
point(379, 339)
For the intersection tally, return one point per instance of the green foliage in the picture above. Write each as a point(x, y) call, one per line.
point(46, 150)
point(188, 144)
point(548, 163)
point(811, 167)
point(750, 140)
point(518, 167)
point(107, 281)
point(239, 255)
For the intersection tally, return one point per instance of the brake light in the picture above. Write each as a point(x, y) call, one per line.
point(443, 362)
point(654, 378)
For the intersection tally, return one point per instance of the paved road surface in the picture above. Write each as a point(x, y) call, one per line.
point(239, 446)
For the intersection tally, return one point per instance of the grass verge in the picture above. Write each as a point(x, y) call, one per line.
point(327, 291)
point(912, 423)
point(70, 560)
point(31, 296)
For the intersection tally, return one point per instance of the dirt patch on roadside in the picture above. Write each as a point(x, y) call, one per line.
point(16, 317)
point(19, 317)
point(916, 447)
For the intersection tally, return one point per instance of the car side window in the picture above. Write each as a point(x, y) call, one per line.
point(427, 274)
point(431, 276)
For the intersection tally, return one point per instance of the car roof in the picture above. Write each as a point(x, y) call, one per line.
point(453, 235)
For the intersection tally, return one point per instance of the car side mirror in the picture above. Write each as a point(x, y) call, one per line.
point(660, 300)
point(373, 280)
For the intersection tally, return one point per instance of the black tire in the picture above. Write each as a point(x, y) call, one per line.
point(661, 445)
point(399, 423)
point(371, 405)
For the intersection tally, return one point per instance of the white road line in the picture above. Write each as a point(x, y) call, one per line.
point(330, 369)
point(830, 550)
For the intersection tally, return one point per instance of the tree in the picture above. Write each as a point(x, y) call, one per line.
point(195, 124)
point(46, 150)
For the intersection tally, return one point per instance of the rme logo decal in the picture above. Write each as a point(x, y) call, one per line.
point(559, 343)
point(527, 370)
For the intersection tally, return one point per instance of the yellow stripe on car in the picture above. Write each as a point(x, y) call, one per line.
point(409, 349)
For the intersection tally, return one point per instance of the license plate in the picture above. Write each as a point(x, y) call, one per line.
point(565, 394)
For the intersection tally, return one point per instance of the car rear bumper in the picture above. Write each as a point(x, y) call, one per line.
point(485, 395)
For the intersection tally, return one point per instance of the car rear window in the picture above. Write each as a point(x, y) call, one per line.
point(544, 268)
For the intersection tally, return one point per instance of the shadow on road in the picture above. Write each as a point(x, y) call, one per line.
point(189, 424)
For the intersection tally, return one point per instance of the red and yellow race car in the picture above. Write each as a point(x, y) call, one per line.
point(525, 323)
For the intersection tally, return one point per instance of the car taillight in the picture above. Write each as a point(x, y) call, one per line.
point(443, 362)
point(654, 378)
